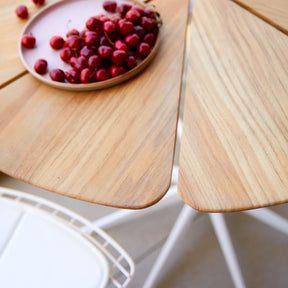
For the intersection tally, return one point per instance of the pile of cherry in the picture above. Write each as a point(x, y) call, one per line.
point(110, 44)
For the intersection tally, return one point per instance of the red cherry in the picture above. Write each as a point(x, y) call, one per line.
point(74, 42)
point(125, 27)
point(56, 42)
point(131, 62)
point(103, 18)
point(122, 69)
point(147, 23)
point(57, 75)
point(138, 9)
point(95, 62)
point(73, 76)
point(22, 12)
point(79, 63)
point(115, 18)
point(40, 66)
point(140, 31)
point(28, 41)
point(91, 38)
point(150, 39)
point(93, 23)
point(87, 51)
point(105, 51)
point(110, 6)
point(66, 54)
point(123, 9)
point(143, 50)
point(104, 41)
point(133, 16)
point(39, 2)
point(86, 76)
point(120, 45)
point(109, 27)
point(132, 40)
point(103, 74)
point(118, 57)
point(109, 46)
point(149, 13)
point(83, 32)
point(72, 32)
point(117, 70)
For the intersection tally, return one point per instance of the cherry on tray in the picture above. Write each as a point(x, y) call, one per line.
point(115, 42)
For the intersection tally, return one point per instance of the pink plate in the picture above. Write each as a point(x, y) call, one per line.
point(57, 19)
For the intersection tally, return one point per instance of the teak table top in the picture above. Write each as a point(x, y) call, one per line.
point(234, 149)
point(274, 12)
point(115, 146)
point(112, 147)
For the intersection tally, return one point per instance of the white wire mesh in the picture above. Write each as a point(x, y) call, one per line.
point(121, 265)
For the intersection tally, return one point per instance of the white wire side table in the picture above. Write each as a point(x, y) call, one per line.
point(43, 244)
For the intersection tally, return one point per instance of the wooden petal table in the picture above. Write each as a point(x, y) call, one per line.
point(113, 147)
point(274, 12)
point(234, 149)
point(234, 146)
point(116, 146)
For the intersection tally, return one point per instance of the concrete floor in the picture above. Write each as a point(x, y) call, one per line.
point(197, 260)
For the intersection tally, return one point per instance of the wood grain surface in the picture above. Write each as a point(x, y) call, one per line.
point(113, 147)
point(274, 12)
point(234, 149)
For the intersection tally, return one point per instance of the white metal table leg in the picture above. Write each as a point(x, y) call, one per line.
point(186, 214)
point(223, 236)
point(270, 218)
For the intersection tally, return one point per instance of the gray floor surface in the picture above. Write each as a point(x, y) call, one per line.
point(196, 261)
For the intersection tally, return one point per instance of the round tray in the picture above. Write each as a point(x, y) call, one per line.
point(57, 19)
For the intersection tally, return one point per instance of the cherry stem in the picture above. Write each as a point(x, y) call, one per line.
point(158, 20)
point(108, 38)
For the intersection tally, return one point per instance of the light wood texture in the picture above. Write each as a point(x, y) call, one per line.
point(10, 63)
point(274, 12)
point(234, 150)
point(113, 147)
